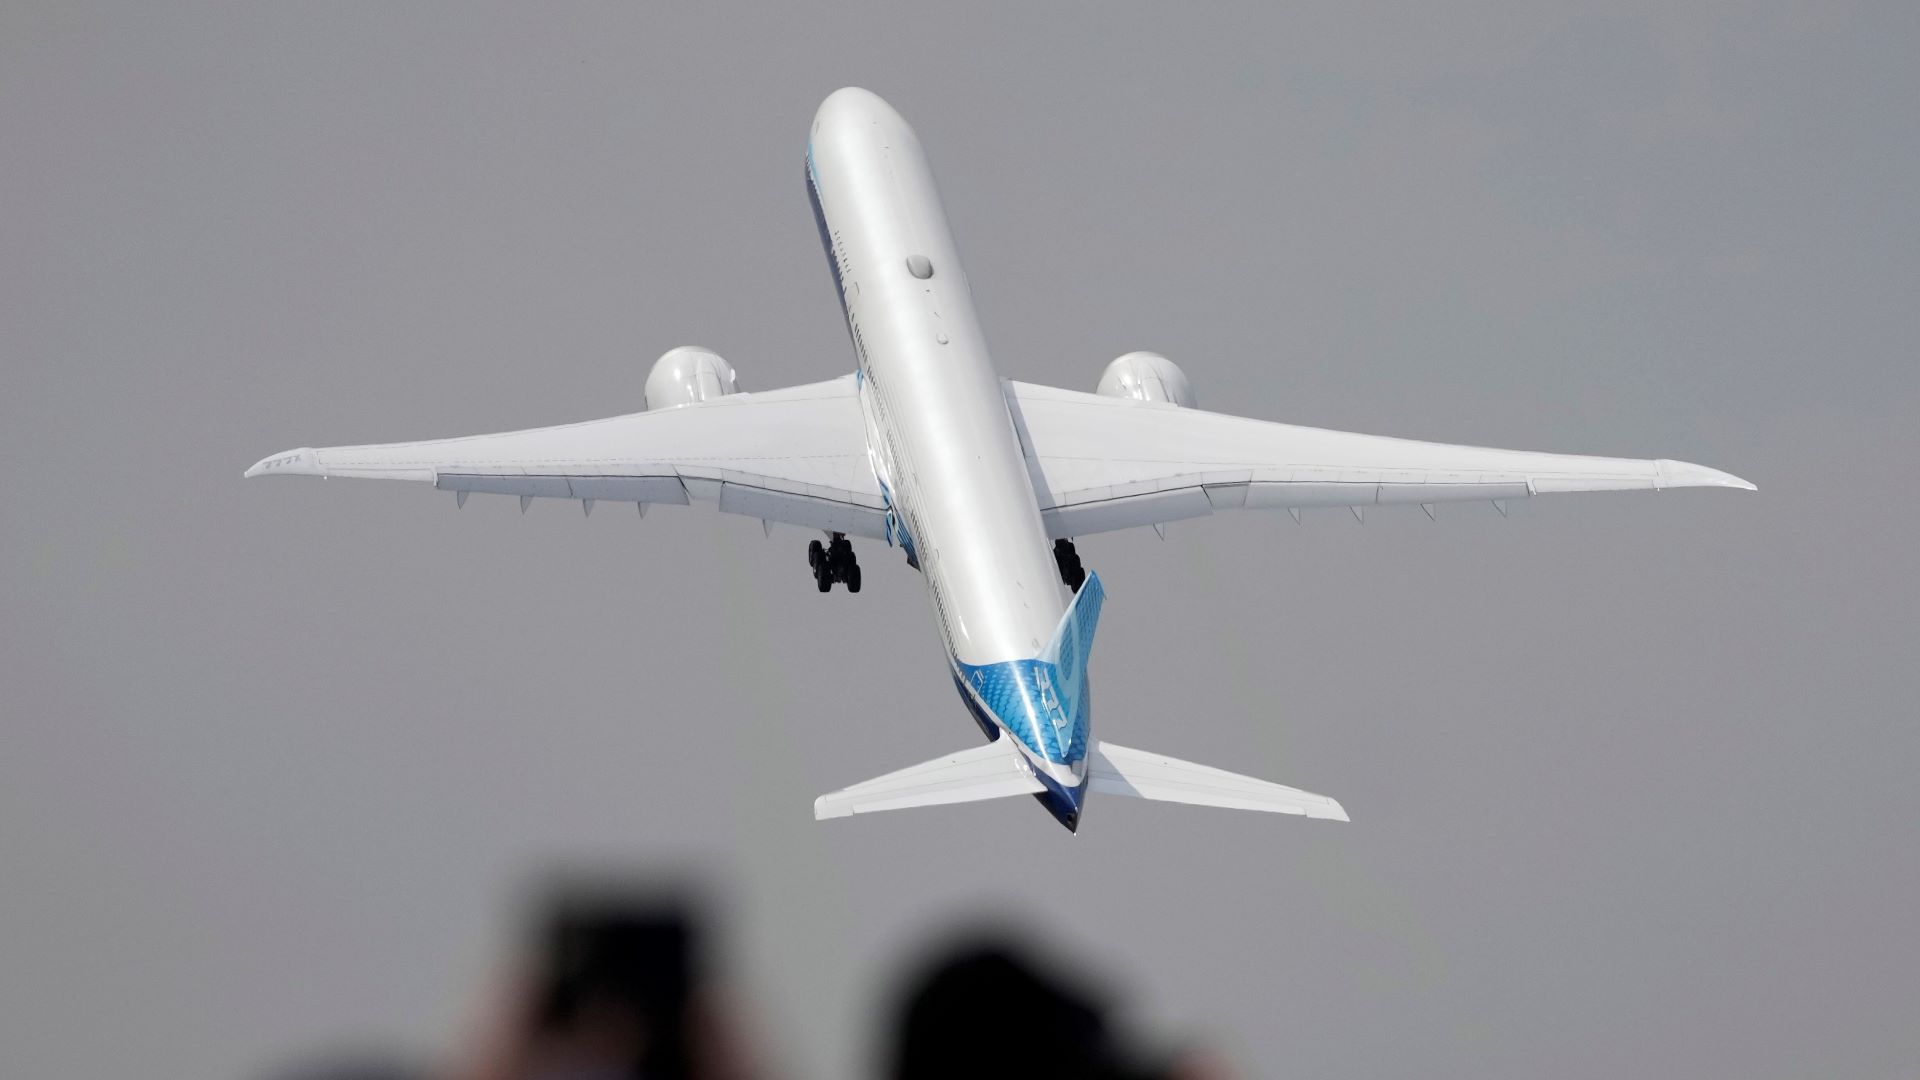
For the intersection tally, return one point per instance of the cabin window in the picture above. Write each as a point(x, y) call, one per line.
point(920, 266)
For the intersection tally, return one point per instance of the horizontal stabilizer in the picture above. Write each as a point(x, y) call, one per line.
point(984, 772)
point(1118, 770)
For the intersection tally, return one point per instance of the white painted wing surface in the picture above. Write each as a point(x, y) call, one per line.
point(1102, 463)
point(984, 772)
point(797, 456)
point(1118, 770)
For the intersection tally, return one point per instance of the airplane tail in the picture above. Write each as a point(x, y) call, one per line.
point(996, 770)
point(1063, 698)
point(1120, 770)
point(984, 772)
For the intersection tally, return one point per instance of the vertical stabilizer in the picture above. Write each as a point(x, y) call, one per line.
point(1068, 651)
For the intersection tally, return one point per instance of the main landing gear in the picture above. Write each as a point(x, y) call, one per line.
point(1068, 560)
point(833, 561)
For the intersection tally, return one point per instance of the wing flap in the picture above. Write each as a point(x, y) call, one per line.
point(812, 511)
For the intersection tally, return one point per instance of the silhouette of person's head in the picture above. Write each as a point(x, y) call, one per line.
point(983, 1009)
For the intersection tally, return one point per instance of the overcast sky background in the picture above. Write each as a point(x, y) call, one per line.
point(1632, 777)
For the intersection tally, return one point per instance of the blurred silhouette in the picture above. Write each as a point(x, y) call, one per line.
point(614, 981)
point(982, 1008)
point(616, 987)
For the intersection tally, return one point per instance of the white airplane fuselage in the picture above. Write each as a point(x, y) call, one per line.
point(942, 441)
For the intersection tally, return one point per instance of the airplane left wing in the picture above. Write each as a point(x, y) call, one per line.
point(1101, 463)
point(797, 456)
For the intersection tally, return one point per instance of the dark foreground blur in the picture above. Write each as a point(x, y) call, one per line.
point(620, 982)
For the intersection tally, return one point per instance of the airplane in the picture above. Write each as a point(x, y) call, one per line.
point(982, 483)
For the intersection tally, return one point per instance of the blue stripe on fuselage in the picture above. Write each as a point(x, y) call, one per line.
point(1022, 697)
point(974, 709)
point(897, 528)
point(1062, 802)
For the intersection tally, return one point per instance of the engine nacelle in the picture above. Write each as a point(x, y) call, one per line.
point(688, 374)
point(1146, 376)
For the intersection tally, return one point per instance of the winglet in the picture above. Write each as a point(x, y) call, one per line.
point(304, 461)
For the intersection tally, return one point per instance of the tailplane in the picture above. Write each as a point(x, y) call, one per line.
point(1118, 770)
point(996, 770)
point(984, 772)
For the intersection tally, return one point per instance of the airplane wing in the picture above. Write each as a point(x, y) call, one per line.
point(1102, 463)
point(797, 456)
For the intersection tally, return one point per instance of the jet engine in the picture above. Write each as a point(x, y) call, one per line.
point(1146, 376)
point(688, 374)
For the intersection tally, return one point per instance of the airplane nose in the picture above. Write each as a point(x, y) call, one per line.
point(854, 97)
point(853, 104)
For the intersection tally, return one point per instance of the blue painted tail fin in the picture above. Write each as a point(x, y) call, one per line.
point(1068, 651)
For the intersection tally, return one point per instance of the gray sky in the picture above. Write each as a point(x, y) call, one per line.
point(1631, 776)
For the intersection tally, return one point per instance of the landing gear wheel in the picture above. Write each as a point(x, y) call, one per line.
point(833, 561)
point(1072, 573)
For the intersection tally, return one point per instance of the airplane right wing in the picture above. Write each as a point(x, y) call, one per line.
point(796, 455)
point(1101, 463)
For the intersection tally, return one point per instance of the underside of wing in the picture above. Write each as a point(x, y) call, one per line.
point(797, 456)
point(1121, 770)
point(1101, 463)
point(991, 771)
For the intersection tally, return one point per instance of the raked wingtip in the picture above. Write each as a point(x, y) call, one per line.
point(1687, 474)
point(300, 462)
